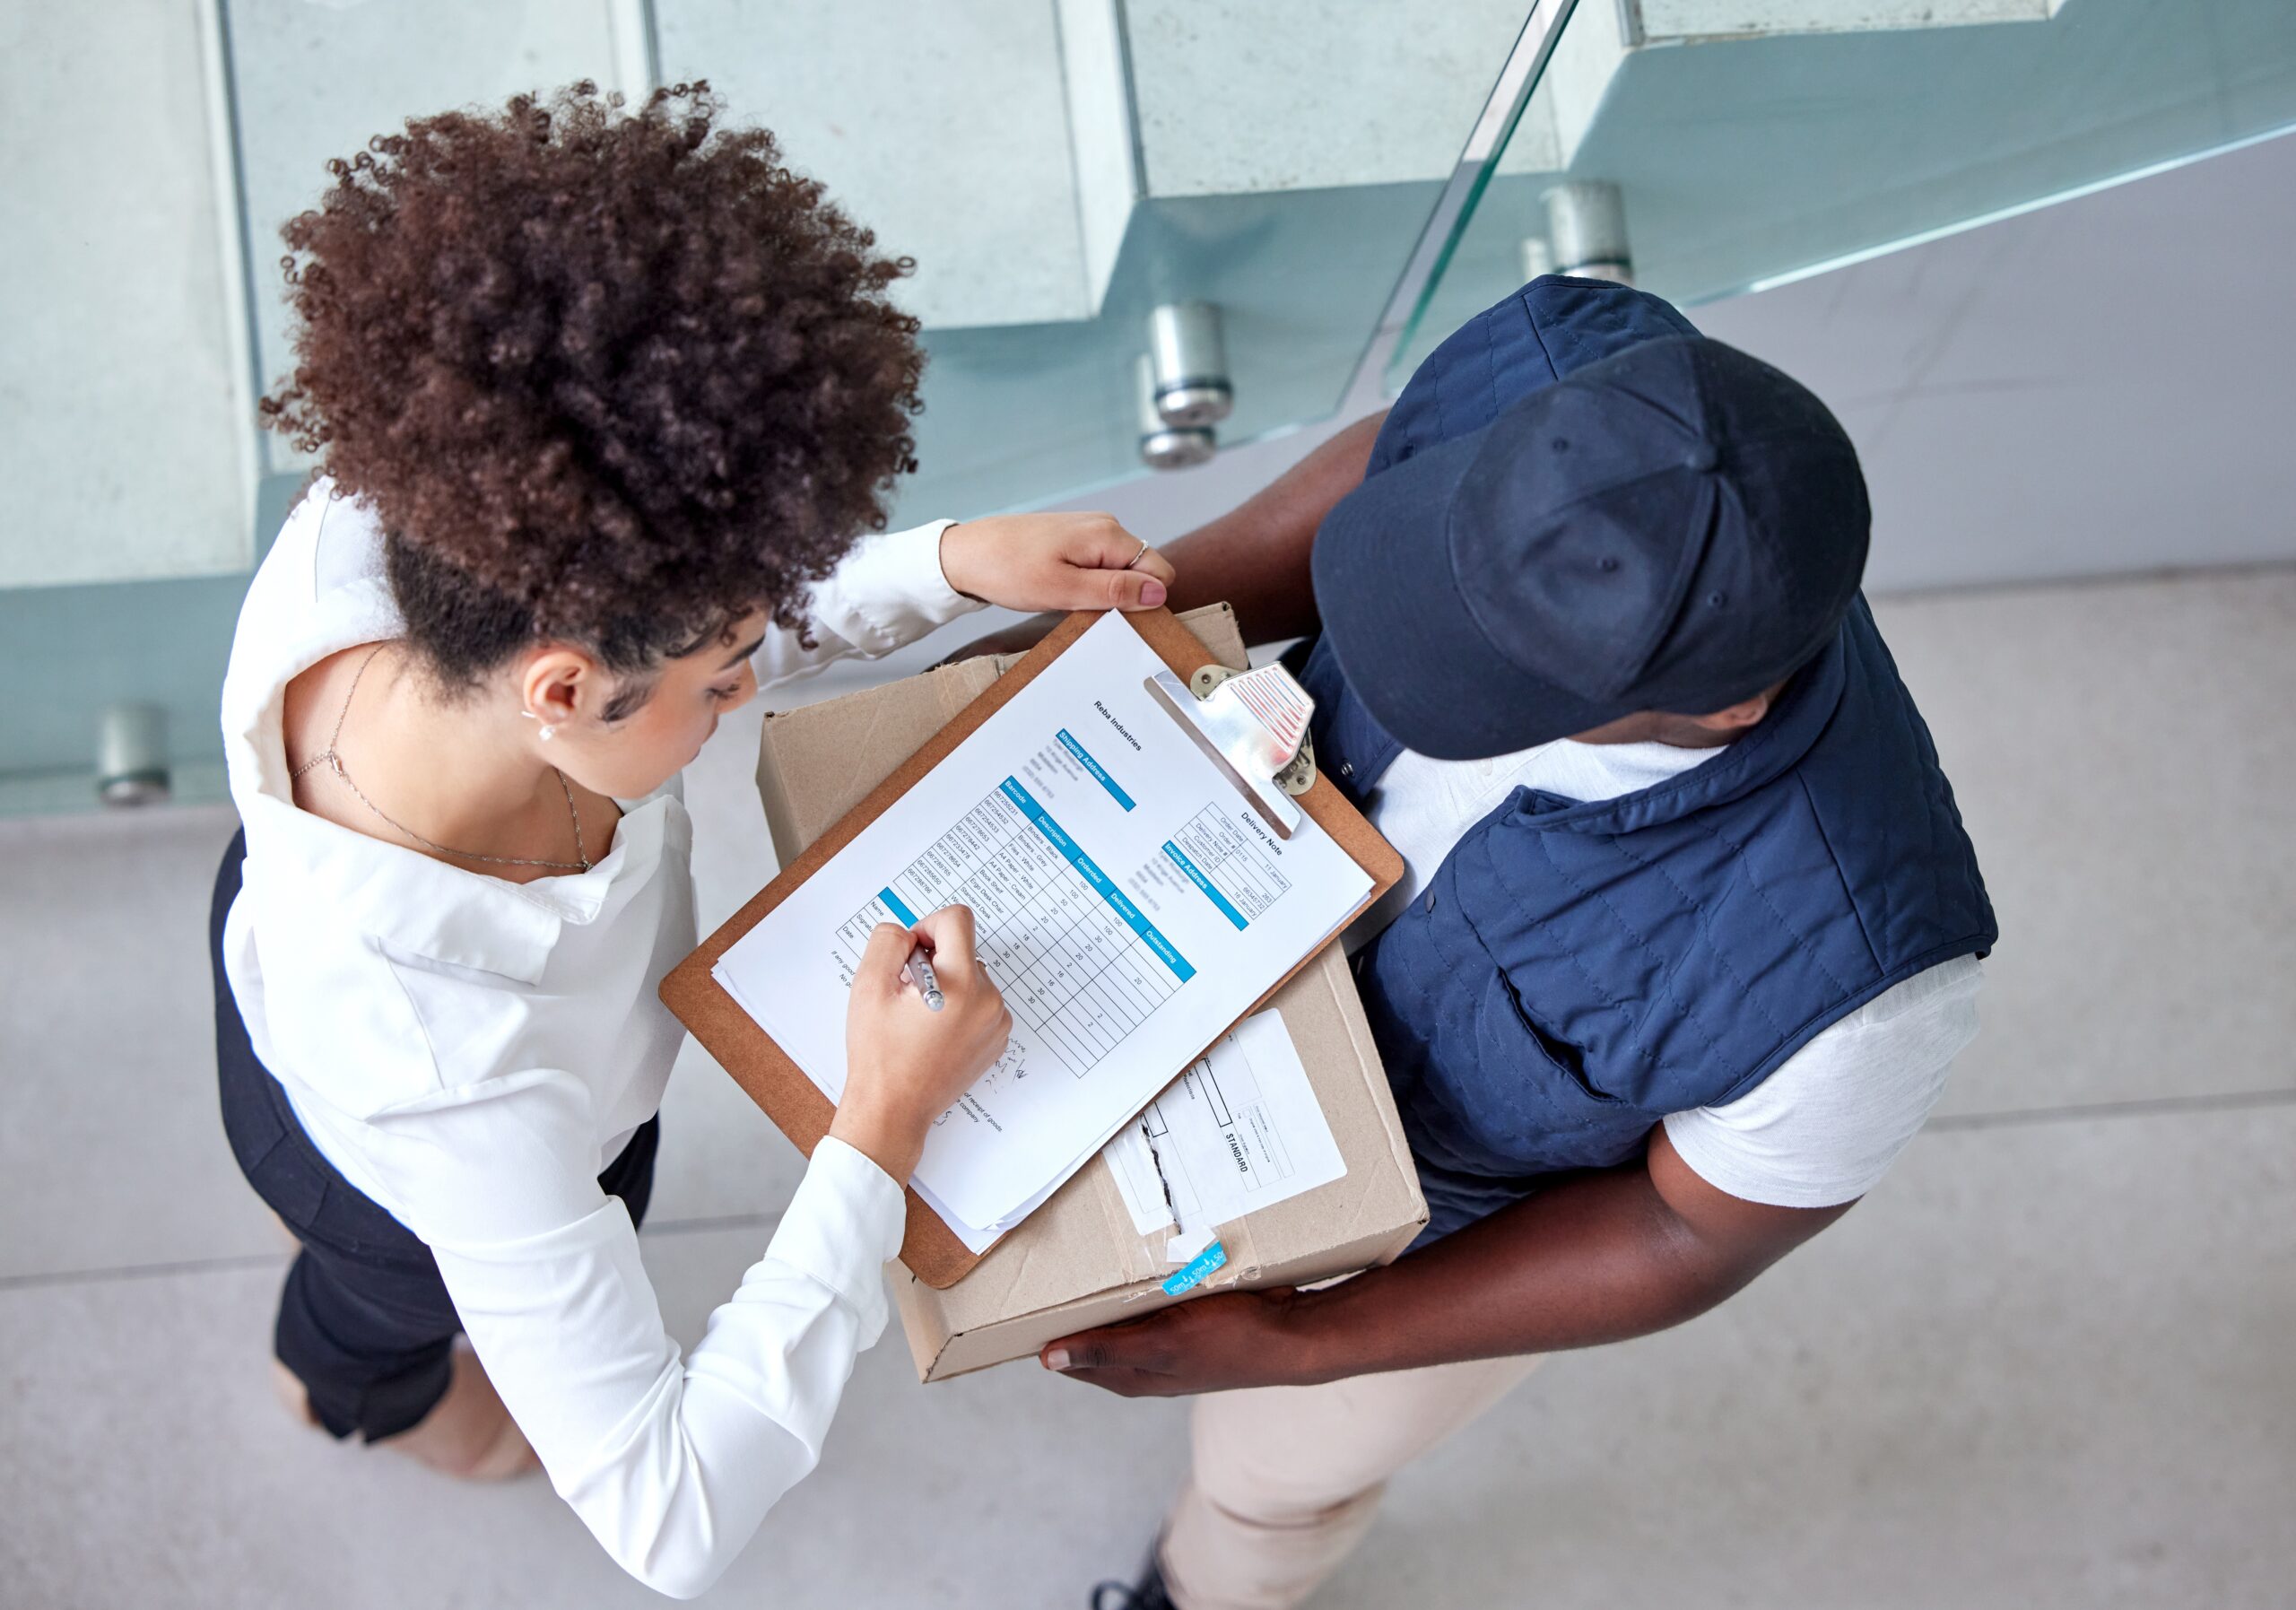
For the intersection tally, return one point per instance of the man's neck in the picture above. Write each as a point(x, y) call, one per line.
point(1657, 726)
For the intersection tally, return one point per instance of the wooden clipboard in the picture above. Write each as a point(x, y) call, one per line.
point(929, 1247)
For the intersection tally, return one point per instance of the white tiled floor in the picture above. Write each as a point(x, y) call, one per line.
point(2049, 1363)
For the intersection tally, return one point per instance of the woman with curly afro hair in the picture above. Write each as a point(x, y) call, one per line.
point(601, 399)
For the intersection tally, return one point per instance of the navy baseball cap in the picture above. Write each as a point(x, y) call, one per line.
point(1675, 528)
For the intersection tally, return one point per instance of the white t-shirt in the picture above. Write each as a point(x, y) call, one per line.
point(471, 1053)
point(1827, 1124)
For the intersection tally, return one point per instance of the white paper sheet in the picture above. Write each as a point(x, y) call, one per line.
point(1128, 902)
point(1239, 1131)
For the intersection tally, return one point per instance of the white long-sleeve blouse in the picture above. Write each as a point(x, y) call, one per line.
point(471, 1053)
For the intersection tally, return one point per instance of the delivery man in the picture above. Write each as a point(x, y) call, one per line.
point(1690, 931)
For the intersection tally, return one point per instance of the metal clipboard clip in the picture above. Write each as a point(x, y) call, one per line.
point(1254, 725)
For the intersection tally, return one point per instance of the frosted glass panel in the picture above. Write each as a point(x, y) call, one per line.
point(943, 129)
point(123, 380)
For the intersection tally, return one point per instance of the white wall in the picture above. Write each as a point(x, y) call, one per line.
point(2101, 386)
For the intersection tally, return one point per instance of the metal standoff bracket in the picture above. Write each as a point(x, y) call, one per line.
point(1254, 725)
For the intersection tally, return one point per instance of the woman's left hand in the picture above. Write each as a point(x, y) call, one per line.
point(1034, 561)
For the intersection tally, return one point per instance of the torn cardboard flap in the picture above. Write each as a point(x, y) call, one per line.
point(1240, 1130)
point(1078, 1261)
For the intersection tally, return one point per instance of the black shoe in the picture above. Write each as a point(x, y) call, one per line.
point(1146, 1594)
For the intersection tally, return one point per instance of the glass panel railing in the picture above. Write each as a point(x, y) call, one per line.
point(1060, 170)
point(1721, 145)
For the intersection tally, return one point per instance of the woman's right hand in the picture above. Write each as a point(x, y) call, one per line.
point(906, 1064)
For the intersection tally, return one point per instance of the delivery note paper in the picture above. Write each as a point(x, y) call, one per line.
point(1129, 902)
point(1239, 1131)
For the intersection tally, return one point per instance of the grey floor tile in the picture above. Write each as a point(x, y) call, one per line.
point(111, 1151)
point(2042, 1366)
point(144, 1461)
point(2119, 750)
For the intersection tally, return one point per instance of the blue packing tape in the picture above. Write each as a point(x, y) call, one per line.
point(1210, 1258)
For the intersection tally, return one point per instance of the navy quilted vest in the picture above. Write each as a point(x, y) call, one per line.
point(1575, 971)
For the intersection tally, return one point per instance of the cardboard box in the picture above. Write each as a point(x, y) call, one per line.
point(1077, 1262)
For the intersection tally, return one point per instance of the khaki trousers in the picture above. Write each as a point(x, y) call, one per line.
point(1285, 1480)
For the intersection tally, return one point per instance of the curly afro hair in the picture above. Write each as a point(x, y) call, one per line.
point(605, 377)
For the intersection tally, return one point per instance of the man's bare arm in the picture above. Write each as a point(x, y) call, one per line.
point(1255, 557)
point(1597, 1258)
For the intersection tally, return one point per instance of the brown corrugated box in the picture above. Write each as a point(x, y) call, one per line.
point(1077, 1262)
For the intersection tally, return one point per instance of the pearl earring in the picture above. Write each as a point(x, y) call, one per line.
point(548, 733)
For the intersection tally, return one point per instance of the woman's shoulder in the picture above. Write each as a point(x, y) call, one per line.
point(320, 591)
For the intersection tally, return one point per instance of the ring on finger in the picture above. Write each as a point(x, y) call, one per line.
point(1136, 558)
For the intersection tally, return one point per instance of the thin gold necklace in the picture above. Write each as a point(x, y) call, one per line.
point(581, 863)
